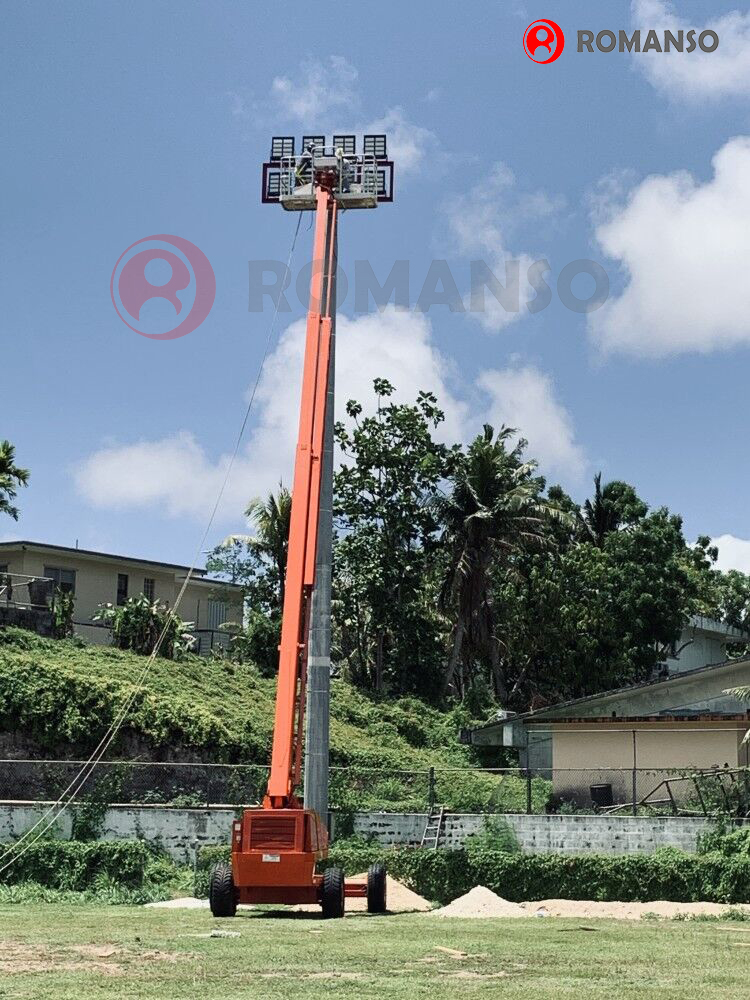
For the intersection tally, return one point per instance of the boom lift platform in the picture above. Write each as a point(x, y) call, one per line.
point(275, 847)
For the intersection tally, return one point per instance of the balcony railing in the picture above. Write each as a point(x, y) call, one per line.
point(20, 591)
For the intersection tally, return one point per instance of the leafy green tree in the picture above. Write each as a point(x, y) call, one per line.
point(493, 512)
point(596, 618)
point(11, 477)
point(386, 562)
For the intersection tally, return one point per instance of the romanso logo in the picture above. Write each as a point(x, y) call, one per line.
point(543, 41)
point(652, 41)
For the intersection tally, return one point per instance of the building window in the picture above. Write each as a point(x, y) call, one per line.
point(122, 588)
point(64, 579)
point(216, 613)
point(3, 567)
point(149, 586)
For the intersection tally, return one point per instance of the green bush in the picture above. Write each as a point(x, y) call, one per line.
point(496, 835)
point(443, 875)
point(76, 865)
point(730, 843)
point(140, 623)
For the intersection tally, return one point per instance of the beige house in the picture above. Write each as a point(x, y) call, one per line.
point(639, 754)
point(626, 742)
point(100, 577)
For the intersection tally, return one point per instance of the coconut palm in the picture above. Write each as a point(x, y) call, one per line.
point(493, 513)
point(613, 506)
point(11, 477)
point(271, 517)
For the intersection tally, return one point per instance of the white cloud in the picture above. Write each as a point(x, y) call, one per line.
point(174, 476)
point(684, 246)
point(171, 476)
point(525, 398)
point(409, 145)
point(484, 221)
point(322, 87)
point(325, 95)
point(734, 553)
point(696, 75)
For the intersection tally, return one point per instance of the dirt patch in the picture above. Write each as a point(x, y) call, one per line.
point(335, 975)
point(109, 960)
point(466, 974)
point(96, 950)
point(457, 956)
point(481, 902)
point(17, 958)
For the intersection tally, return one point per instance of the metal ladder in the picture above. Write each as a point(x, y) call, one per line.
point(433, 828)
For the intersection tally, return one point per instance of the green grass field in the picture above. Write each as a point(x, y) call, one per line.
point(118, 952)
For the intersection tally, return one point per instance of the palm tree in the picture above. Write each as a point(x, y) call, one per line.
point(613, 506)
point(11, 476)
point(271, 540)
point(272, 517)
point(493, 513)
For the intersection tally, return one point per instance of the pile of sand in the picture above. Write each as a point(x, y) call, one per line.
point(624, 911)
point(398, 898)
point(183, 903)
point(481, 902)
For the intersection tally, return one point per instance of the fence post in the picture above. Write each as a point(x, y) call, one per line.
point(431, 789)
point(529, 809)
point(635, 775)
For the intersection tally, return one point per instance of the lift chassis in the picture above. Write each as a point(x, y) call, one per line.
point(276, 846)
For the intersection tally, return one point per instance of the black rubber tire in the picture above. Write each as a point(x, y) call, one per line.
point(376, 889)
point(332, 896)
point(222, 895)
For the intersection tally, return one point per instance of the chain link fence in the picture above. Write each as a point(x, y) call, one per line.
point(625, 791)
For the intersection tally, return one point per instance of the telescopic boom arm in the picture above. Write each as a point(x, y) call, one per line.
point(286, 759)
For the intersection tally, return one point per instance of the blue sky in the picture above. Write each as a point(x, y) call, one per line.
point(123, 121)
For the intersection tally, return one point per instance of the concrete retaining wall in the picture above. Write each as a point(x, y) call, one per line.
point(180, 830)
point(560, 834)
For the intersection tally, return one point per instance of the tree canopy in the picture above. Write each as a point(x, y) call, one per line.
point(459, 574)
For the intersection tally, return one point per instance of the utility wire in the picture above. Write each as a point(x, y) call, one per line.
point(66, 799)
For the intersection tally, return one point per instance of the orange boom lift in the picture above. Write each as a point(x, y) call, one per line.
point(275, 847)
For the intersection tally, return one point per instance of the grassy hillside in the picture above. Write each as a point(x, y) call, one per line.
point(61, 696)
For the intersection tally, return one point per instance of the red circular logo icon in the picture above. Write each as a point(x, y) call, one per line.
point(543, 41)
point(190, 287)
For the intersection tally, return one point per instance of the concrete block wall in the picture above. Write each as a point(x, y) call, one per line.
point(179, 831)
point(559, 834)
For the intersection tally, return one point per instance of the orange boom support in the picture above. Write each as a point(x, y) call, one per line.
point(275, 847)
